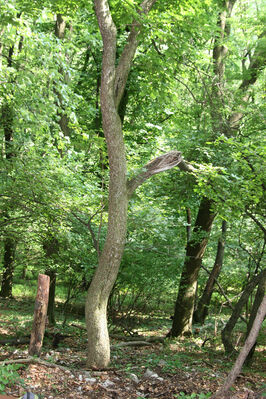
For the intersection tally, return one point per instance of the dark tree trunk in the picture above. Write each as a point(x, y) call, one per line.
point(40, 312)
point(60, 31)
point(51, 248)
point(7, 278)
point(7, 121)
point(203, 306)
point(184, 308)
point(258, 299)
point(250, 341)
point(9, 243)
point(188, 227)
point(51, 302)
point(227, 331)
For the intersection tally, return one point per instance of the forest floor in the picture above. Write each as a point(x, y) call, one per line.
point(172, 369)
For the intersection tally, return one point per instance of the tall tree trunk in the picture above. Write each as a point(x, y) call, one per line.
point(7, 120)
point(228, 329)
point(250, 341)
point(60, 31)
point(51, 248)
point(7, 277)
point(113, 83)
point(184, 307)
point(51, 301)
point(203, 306)
point(9, 243)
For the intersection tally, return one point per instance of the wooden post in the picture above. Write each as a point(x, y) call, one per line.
point(40, 312)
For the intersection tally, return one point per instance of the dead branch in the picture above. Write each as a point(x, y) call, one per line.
point(35, 361)
point(157, 165)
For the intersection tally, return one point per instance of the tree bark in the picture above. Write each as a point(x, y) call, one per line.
point(60, 31)
point(7, 277)
point(228, 329)
point(184, 307)
point(51, 248)
point(51, 300)
point(250, 341)
point(40, 312)
point(182, 321)
point(258, 299)
point(113, 82)
point(7, 120)
point(201, 312)
point(9, 242)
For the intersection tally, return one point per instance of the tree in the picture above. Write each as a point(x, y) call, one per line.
point(203, 304)
point(249, 343)
point(113, 81)
point(222, 126)
point(227, 331)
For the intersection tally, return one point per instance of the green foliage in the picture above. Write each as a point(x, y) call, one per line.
point(182, 395)
point(9, 376)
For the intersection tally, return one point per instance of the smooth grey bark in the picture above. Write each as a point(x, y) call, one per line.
point(113, 82)
point(249, 343)
point(201, 312)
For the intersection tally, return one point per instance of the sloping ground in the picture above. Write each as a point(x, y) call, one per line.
point(167, 377)
point(172, 369)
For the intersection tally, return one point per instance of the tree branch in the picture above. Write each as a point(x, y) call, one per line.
point(257, 62)
point(128, 53)
point(157, 165)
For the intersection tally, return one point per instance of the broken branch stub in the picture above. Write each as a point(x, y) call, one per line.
point(157, 165)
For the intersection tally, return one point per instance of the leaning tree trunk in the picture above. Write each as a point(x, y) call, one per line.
point(257, 301)
point(184, 307)
point(228, 329)
point(250, 341)
point(203, 305)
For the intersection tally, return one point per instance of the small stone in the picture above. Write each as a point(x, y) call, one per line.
point(90, 380)
point(134, 378)
point(80, 377)
point(162, 363)
point(150, 374)
point(107, 384)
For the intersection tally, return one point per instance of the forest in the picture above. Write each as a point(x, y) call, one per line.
point(132, 196)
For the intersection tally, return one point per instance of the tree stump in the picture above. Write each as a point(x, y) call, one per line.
point(40, 312)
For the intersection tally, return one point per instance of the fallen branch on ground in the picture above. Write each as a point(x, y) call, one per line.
point(33, 360)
